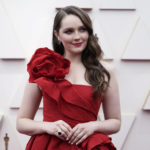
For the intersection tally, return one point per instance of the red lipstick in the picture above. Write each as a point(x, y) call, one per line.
point(77, 44)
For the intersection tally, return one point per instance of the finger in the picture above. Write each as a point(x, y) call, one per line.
point(64, 131)
point(68, 127)
point(64, 127)
point(75, 133)
point(71, 135)
point(81, 140)
point(78, 137)
point(61, 136)
point(65, 124)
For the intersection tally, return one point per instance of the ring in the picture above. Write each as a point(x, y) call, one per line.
point(59, 132)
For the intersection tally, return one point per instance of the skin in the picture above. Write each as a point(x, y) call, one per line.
point(72, 31)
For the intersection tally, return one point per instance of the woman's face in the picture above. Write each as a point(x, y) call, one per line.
point(73, 34)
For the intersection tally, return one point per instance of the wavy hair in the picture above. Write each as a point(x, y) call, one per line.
point(95, 73)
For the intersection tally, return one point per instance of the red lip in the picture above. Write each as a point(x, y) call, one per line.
point(77, 44)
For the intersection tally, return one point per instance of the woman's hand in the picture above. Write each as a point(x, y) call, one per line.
point(81, 131)
point(58, 128)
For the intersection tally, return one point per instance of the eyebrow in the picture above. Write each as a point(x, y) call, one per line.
point(73, 28)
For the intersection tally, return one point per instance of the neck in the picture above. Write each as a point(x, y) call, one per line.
point(74, 58)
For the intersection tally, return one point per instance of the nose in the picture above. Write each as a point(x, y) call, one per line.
point(77, 36)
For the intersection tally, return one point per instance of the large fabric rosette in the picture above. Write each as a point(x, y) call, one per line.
point(47, 63)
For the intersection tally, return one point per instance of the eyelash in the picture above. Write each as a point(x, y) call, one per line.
point(84, 29)
point(69, 31)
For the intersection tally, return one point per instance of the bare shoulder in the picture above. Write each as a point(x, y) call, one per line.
point(113, 78)
point(33, 86)
point(109, 67)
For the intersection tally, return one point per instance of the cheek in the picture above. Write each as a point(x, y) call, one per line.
point(66, 39)
point(86, 36)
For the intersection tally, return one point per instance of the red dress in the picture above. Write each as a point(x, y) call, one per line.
point(63, 100)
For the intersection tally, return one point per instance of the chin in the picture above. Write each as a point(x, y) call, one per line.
point(79, 49)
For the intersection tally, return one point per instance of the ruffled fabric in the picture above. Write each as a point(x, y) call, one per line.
point(97, 141)
point(47, 63)
point(48, 69)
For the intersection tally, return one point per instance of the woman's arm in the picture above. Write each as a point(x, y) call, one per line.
point(111, 108)
point(30, 104)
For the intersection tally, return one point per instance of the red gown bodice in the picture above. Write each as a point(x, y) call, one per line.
point(62, 100)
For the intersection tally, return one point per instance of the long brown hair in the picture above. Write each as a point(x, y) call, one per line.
point(95, 74)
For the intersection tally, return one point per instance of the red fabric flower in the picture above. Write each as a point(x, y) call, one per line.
point(47, 63)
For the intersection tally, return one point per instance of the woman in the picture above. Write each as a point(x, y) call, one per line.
point(74, 82)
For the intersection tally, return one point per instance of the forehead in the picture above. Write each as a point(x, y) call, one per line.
point(71, 21)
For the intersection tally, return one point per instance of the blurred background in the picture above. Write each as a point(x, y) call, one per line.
point(123, 29)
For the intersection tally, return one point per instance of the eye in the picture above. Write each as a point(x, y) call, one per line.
point(68, 31)
point(82, 29)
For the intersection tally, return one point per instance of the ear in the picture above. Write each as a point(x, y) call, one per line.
point(56, 34)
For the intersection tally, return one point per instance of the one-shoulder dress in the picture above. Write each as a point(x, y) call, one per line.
point(62, 100)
